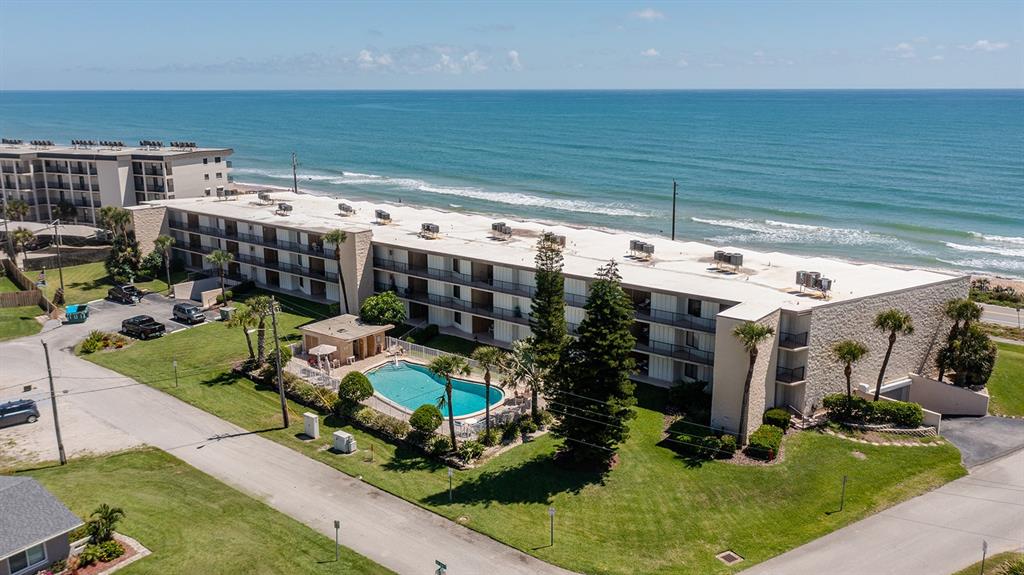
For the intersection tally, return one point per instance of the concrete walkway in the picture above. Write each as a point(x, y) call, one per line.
point(936, 533)
point(388, 530)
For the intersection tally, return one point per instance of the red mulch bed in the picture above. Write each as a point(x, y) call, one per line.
point(95, 568)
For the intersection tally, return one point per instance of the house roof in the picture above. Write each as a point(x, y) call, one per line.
point(29, 515)
point(344, 327)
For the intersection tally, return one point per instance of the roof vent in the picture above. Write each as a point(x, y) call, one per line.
point(12, 142)
point(500, 231)
point(345, 209)
point(641, 250)
point(265, 197)
point(284, 209)
point(382, 217)
point(429, 231)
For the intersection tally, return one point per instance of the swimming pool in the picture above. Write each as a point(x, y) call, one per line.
point(410, 385)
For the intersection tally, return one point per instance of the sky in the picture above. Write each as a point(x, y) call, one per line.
point(201, 45)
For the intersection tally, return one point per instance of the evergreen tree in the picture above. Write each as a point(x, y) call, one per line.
point(547, 310)
point(590, 388)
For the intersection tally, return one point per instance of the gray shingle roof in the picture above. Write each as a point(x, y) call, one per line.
point(29, 514)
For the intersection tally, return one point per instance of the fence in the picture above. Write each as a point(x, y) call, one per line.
point(68, 258)
point(28, 287)
point(428, 354)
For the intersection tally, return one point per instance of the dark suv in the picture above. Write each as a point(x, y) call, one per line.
point(127, 294)
point(18, 411)
point(142, 327)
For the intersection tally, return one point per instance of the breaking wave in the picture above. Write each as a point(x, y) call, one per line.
point(999, 239)
point(772, 231)
point(1001, 250)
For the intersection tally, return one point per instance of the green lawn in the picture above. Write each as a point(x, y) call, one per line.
point(652, 510)
point(992, 564)
point(453, 344)
point(6, 285)
point(191, 522)
point(1006, 386)
point(86, 282)
point(19, 321)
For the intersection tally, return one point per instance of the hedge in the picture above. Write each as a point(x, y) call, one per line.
point(426, 419)
point(371, 419)
point(902, 413)
point(778, 417)
point(860, 409)
point(764, 443)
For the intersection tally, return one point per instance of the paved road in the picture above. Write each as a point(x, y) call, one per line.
point(935, 533)
point(395, 533)
point(982, 439)
point(1001, 315)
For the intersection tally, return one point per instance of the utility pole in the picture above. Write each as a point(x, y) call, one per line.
point(60, 263)
point(53, 402)
point(7, 233)
point(674, 188)
point(277, 360)
point(295, 173)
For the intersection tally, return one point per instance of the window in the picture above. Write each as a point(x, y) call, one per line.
point(206, 177)
point(455, 265)
point(206, 160)
point(693, 307)
point(220, 188)
point(457, 292)
point(220, 175)
point(458, 317)
point(691, 339)
point(690, 370)
point(28, 558)
point(207, 190)
point(216, 159)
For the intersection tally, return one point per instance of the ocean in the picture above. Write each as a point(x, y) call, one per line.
point(930, 179)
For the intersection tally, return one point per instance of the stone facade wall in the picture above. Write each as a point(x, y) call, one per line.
point(853, 320)
point(148, 223)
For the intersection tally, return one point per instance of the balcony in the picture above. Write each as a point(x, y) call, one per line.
point(286, 267)
point(790, 375)
point(513, 288)
point(677, 319)
point(227, 163)
point(678, 351)
point(83, 171)
point(519, 316)
point(789, 340)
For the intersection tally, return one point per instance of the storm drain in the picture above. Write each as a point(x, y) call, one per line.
point(729, 557)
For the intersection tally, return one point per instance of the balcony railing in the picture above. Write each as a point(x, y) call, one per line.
point(261, 262)
point(677, 319)
point(514, 315)
point(513, 288)
point(312, 250)
point(678, 351)
point(792, 340)
point(790, 374)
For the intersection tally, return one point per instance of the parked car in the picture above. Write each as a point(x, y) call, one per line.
point(188, 313)
point(18, 411)
point(127, 294)
point(142, 327)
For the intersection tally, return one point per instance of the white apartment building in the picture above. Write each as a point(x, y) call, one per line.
point(460, 273)
point(94, 175)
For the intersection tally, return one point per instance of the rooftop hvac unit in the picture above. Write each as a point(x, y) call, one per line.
point(824, 284)
point(499, 230)
point(736, 259)
point(346, 209)
point(429, 230)
point(497, 226)
point(720, 256)
point(382, 216)
point(648, 249)
point(634, 245)
point(800, 275)
point(264, 196)
point(284, 208)
point(811, 279)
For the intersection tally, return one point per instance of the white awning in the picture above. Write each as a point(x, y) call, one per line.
point(323, 349)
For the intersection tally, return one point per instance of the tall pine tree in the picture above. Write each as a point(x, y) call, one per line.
point(547, 310)
point(591, 391)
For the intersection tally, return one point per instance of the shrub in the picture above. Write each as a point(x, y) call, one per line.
point(764, 442)
point(392, 426)
point(470, 450)
point(544, 418)
point(438, 445)
point(366, 417)
point(382, 308)
point(426, 419)
point(490, 438)
point(355, 388)
point(527, 426)
point(98, 341)
point(286, 356)
point(152, 265)
point(89, 556)
point(778, 417)
point(110, 550)
point(509, 431)
point(727, 446)
point(1011, 567)
point(221, 297)
point(860, 409)
point(902, 413)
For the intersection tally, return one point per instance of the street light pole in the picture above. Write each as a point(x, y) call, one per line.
point(60, 264)
point(551, 513)
point(53, 403)
point(277, 360)
point(674, 194)
point(337, 548)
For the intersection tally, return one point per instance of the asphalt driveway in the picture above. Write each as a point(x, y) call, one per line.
point(982, 439)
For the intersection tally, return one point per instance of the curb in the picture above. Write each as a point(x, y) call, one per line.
point(882, 444)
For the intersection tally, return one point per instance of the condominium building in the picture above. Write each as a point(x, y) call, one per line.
point(89, 176)
point(474, 276)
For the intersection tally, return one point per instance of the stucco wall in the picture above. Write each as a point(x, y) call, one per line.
point(947, 399)
point(148, 223)
point(731, 362)
point(853, 320)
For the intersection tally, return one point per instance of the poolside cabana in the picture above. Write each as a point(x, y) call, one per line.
point(351, 339)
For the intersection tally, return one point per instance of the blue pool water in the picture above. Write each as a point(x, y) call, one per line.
point(411, 386)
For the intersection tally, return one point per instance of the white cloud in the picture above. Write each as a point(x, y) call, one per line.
point(367, 61)
point(649, 14)
point(903, 50)
point(682, 63)
point(937, 58)
point(650, 53)
point(986, 46)
point(473, 62)
point(512, 61)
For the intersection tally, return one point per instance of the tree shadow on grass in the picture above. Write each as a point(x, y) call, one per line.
point(534, 481)
point(224, 378)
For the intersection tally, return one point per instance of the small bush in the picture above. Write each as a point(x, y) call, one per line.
point(860, 409)
point(727, 447)
point(778, 417)
point(527, 426)
point(490, 438)
point(355, 388)
point(366, 417)
point(89, 556)
point(544, 418)
point(392, 426)
point(764, 442)
point(110, 550)
point(98, 341)
point(438, 445)
point(509, 431)
point(1011, 567)
point(221, 297)
point(470, 450)
point(426, 419)
point(902, 413)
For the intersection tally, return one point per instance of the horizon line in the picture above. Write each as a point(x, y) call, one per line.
point(819, 89)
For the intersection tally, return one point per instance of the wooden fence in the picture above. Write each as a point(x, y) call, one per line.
point(29, 294)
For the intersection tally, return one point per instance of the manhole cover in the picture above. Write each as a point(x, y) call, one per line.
point(729, 557)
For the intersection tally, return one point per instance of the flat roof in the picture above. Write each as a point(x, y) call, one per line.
point(768, 278)
point(346, 327)
point(9, 151)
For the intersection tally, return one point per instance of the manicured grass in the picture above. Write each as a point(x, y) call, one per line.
point(191, 522)
point(992, 564)
point(652, 510)
point(1006, 386)
point(86, 282)
point(6, 285)
point(19, 321)
point(453, 344)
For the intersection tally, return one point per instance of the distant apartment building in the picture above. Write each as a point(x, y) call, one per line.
point(90, 175)
point(474, 276)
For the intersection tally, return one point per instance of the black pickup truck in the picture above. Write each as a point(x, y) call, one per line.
point(142, 327)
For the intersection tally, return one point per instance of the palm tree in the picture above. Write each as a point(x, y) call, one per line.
point(751, 335)
point(848, 352)
point(221, 258)
point(962, 312)
point(448, 366)
point(22, 237)
point(163, 245)
point(261, 307)
point(116, 220)
point(16, 210)
point(338, 237)
point(66, 210)
point(522, 365)
point(102, 523)
point(246, 319)
point(489, 358)
point(895, 322)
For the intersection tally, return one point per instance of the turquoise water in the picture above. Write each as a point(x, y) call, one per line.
point(921, 178)
point(411, 386)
